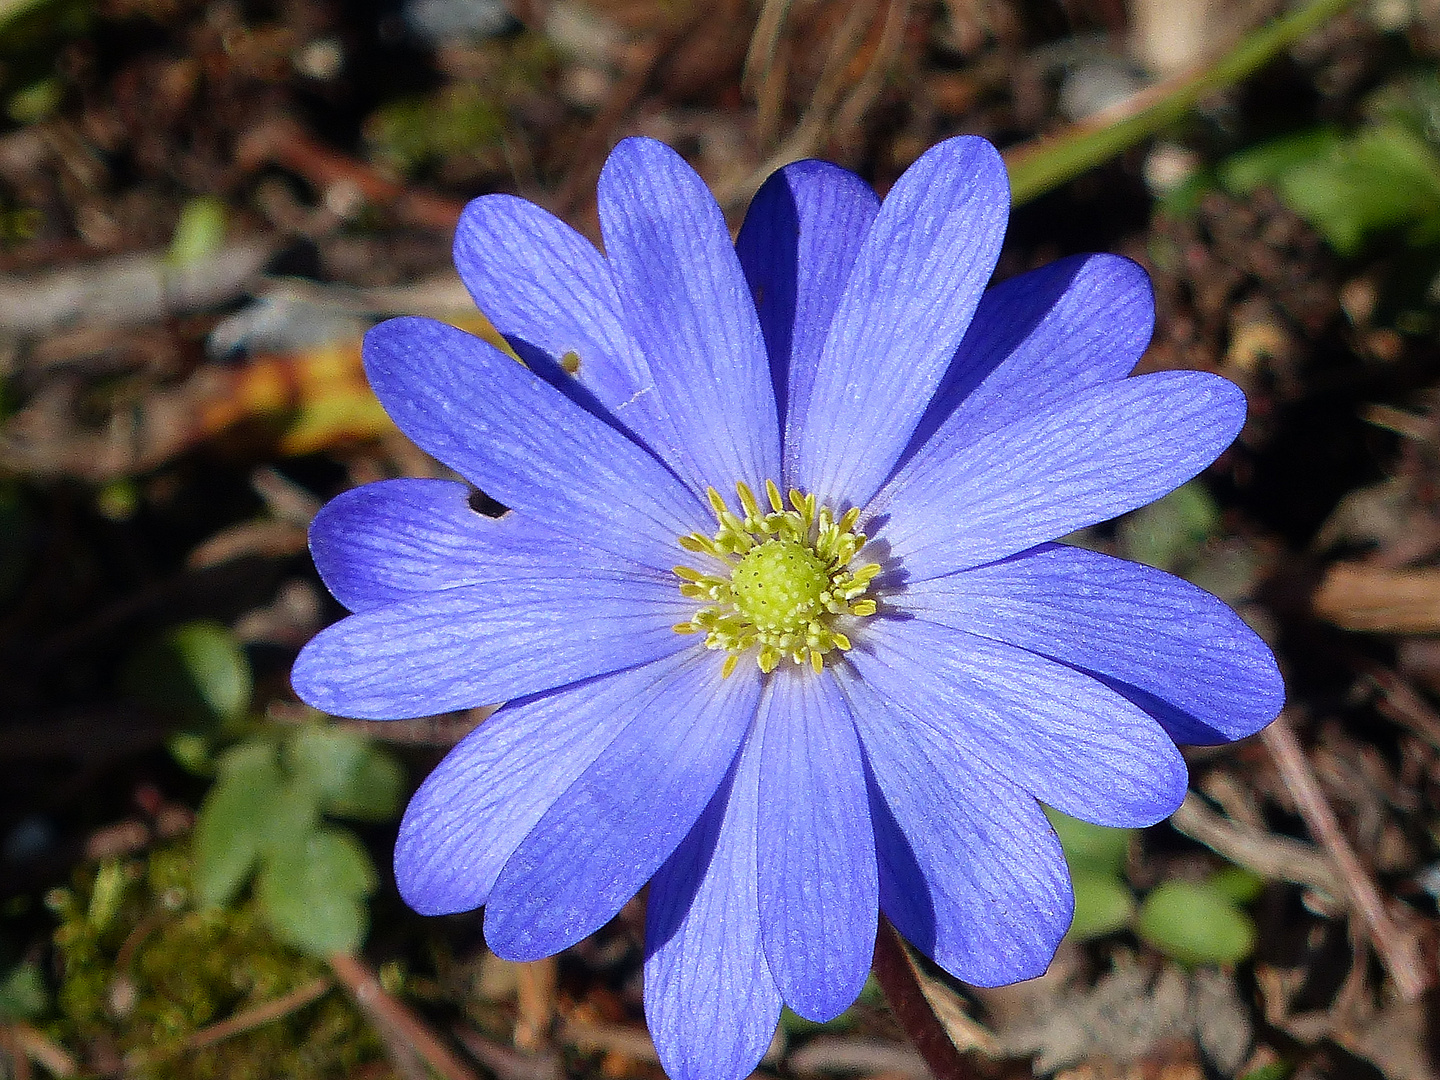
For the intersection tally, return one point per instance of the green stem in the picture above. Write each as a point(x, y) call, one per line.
point(1048, 161)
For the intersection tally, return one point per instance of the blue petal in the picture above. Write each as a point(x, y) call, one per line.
point(1061, 735)
point(546, 288)
point(971, 873)
point(1038, 338)
point(915, 285)
point(961, 502)
point(797, 247)
point(483, 644)
point(688, 308)
point(613, 827)
point(1130, 623)
point(710, 1002)
point(395, 540)
point(819, 892)
point(471, 813)
point(523, 443)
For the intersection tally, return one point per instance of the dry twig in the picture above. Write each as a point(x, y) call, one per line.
point(1398, 949)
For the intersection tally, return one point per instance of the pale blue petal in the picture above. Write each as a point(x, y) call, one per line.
point(961, 502)
point(689, 309)
point(471, 813)
point(1038, 338)
point(1061, 735)
point(522, 442)
point(1128, 622)
point(549, 292)
point(800, 239)
point(395, 540)
point(710, 1002)
point(915, 285)
point(483, 644)
point(971, 873)
point(622, 817)
point(819, 892)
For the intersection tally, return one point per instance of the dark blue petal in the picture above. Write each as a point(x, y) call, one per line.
point(1038, 338)
point(523, 443)
point(971, 873)
point(819, 892)
point(471, 813)
point(546, 288)
point(917, 279)
point(483, 644)
point(800, 239)
point(602, 839)
point(1063, 736)
point(689, 309)
point(710, 1002)
point(1138, 626)
point(965, 501)
point(396, 540)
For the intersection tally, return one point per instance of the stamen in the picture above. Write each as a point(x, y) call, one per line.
point(786, 577)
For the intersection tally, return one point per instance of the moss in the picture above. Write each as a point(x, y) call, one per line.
point(143, 969)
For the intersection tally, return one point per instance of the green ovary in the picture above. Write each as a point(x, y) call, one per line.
point(780, 587)
point(781, 584)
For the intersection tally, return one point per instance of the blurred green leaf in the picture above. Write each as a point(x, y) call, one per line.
point(1237, 884)
point(1170, 533)
point(1382, 177)
point(233, 820)
point(106, 894)
point(459, 119)
point(314, 894)
point(1195, 924)
point(1103, 905)
point(196, 672)
point(23, 995)
point(1092, 849)
point(353, 778)
point(38, 101)
point(200, 230)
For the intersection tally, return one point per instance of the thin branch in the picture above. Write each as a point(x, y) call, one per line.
point(1398, 949)
point(1275, 857)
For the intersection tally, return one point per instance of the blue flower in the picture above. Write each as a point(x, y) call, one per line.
point(872, 664)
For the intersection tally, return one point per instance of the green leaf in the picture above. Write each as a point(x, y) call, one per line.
point(1239, 885)
point(314, 894)
point(231, 826)
point(23, 995)
point(1090, 848)
point(1384, 177)
point(1103, 904)
point(352, 777)
point(1195, 924)
point(196, 672)
point(200, 231)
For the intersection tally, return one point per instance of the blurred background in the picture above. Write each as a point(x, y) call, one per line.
point(204, 204)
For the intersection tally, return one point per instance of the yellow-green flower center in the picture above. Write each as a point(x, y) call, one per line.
point(782, 584)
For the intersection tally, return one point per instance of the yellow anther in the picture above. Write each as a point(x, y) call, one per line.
point(785, 577)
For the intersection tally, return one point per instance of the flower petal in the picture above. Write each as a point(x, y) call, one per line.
point(549, 292)
point(710, 1002)
point(797, 247)
point(613, 827)
point(394, 540)
point(1061, 735)
point(688, 308)
point(482, 644)
point(915, 285)
point(971, 873)
point(819, 891)
point(471, 813)
point(1121, 620)
point(961, 502)
point(521, 442)
point(1038, 338)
